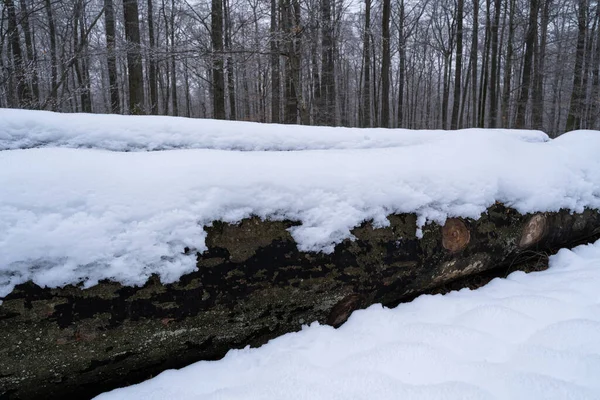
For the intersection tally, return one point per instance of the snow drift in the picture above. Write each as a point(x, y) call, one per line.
point(28, 129)
point(530, 336)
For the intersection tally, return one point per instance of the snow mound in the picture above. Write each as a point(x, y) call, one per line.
point(23, 129)
point(82, 215)
point(530, 336)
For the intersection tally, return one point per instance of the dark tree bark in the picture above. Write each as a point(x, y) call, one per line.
point(218, 78)
point(135, 78)
point(595, 111)
point(366, 91)
point(495, 73)
point(328, 67)
point(485, 67)
point(473, 61)
point(275, 82)
point(455, 124)
point(23, 94)
point(80, 65)
point(527, 64)
point(385, 65)
point(152, 73)
point(253, 284)
point(508, 66)
point(537, 94)
point(109, 24)
point(298, 30)
point(229, 66)
point(401, 64)
point(293, 75)
point(576, 105)
point(31, 57)
point(174, 99)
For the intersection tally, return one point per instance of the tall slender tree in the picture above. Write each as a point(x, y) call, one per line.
point(495, 72)
point(152, 68)
point(576, 105)
point(385, 64)
point(366, 90)
point(275, 82)
point(23, 94)
point(218, 78)
point(135, 78)
point(527, 63)
point(458, 64)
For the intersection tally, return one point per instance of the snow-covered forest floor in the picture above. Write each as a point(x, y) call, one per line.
point(529, 336)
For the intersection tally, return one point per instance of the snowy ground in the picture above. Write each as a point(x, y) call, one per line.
point(530, 336)
point(71, 215)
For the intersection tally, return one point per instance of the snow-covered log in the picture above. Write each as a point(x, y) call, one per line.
point(253, 284)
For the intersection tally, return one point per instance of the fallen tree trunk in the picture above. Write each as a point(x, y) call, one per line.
point(252, 285)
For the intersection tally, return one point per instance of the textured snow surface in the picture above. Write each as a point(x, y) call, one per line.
point(530, 336)
point(80, 215)
point(26, 129)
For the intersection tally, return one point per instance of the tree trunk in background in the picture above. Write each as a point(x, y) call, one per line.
point(135, 78)
point(508, 66)
point(76, 43)
point(401, 64)
point(290, 99)
point(455, 123)
point(366, 91)
point(319, 101)
point(229, 66)
point(52, 97)
point(576, 106)
point(218, 78)
point(385, 65)
point(537, 95)
point(328, 65)
point(109, 24)
point(23, 94)
point(166, 87)
point(296, 63)
point(293, 76)
point(80, 41)
point(485, 67)
point(275, 83)
point(446, 88)
point(174, 99)
point(527, 64)
point(32, 66)
point(588, 59)
point(595, 110)
point(494, 76)
point(152, 79)
point(474, 53)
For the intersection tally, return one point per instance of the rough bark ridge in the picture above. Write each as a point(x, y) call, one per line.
point(252, 284)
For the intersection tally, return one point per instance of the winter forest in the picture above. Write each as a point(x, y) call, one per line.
point(435, 64)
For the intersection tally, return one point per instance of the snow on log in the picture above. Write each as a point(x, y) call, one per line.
point(252, 284)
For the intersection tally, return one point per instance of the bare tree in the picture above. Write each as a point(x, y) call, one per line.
point(135, 77)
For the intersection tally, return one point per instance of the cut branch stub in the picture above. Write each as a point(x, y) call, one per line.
point(533, 231)
point(455, 235)
point(342, 310)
